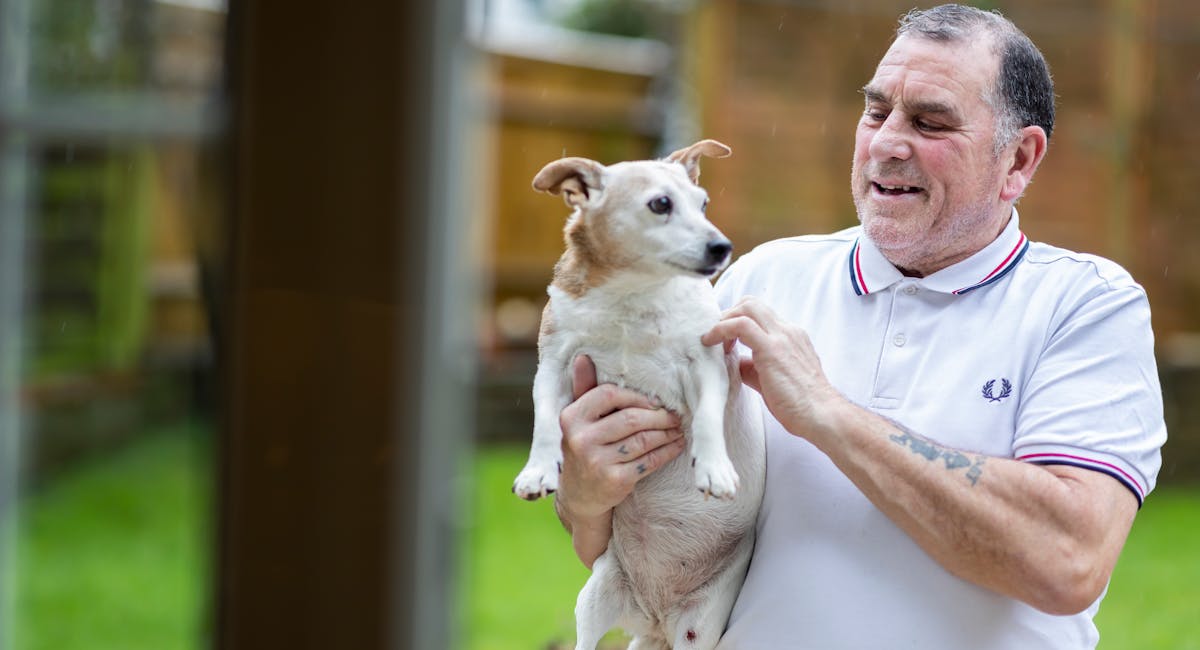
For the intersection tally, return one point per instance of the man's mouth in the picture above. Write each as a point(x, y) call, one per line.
point(895, 190)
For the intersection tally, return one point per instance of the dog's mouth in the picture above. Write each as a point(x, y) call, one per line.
point(702, 271)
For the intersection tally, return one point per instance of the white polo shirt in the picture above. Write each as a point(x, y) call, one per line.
point(1022, 351)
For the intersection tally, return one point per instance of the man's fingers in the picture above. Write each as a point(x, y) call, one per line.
point(749, 374)
point(603, 400)
point(648, 463)
point(583, 376)
point(627, 422)
point(736, 327)
point(644, 442)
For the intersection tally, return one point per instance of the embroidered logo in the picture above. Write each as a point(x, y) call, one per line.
point(990, 387)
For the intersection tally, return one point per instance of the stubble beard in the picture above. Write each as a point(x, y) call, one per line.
point(917, 242)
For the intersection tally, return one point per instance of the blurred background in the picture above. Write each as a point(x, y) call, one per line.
point(270, 282)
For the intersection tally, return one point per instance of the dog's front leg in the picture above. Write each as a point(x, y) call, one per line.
point(551, 394)
point(709, 381)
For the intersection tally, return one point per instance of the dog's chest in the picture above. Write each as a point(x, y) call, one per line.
point(648, 341)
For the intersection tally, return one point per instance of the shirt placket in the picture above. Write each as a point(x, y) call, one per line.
point(899, 350)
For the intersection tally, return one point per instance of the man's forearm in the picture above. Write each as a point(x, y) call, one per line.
point(1046, 536)
point(589, 535)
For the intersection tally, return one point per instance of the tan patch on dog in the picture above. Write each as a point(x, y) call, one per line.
point(592, 256)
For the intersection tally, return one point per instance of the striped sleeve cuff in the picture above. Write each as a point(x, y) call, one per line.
point(1115, 467)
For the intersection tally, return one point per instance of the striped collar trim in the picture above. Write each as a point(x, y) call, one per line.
point(869, 269)
point(871, 272)
point(1010, 262)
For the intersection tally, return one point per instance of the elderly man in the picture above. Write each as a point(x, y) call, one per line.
point(962, 423)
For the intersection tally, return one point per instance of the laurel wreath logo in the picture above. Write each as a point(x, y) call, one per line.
point(1005, 390)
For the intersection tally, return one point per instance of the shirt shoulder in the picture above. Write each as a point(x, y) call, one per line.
point(1093, 271)
point(810, 249)
point(806, 260)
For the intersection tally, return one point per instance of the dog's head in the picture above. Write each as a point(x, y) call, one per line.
point(647, 216)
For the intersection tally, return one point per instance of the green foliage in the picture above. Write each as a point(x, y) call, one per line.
point(115, 555)
point(620, 17)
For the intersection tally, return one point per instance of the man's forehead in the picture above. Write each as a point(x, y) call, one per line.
point(933, 76)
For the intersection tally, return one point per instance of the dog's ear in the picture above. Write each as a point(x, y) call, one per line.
point(689, 157)
point(577, 179)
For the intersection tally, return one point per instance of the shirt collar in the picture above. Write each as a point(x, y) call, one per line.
point(871, 272)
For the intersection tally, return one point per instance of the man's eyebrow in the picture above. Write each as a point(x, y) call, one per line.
point(873, 95)
point(916, 108)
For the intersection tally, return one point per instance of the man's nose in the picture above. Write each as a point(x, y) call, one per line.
point(891, 140)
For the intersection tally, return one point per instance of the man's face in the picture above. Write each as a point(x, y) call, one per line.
point(925, 179)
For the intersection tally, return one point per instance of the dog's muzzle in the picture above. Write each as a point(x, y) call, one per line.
point(716, 252)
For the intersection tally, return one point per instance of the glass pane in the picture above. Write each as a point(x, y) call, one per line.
point(113, 523)
point(111, 237)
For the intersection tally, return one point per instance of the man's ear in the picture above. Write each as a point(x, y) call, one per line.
point(1030, 149)
point(578, 180)
point(689, 157)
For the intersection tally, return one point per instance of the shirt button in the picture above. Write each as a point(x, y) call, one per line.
point(911, 289)
point(899, 340)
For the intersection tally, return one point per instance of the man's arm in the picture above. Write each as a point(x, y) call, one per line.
point(612, 438)
point(1046, 535)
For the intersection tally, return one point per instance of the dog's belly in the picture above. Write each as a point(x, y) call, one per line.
point(671, 541)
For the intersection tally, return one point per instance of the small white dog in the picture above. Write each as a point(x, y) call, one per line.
point(632, 291)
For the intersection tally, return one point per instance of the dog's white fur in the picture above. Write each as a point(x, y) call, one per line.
point(632, 292)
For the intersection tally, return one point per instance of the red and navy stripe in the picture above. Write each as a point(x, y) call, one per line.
point(1009, 263)
point(856, 274)
point(1089, 463)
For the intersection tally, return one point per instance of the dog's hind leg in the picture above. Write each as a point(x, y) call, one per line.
point(700, 626)
point(603, 600)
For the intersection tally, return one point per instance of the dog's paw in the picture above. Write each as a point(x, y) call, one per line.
point(715, 478)
point(537, 480)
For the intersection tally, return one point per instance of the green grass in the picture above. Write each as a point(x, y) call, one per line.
point(1153, 602)
point(522, 577)
point(115, 554)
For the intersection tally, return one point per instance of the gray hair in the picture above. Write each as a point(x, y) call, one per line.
point(1023, 94)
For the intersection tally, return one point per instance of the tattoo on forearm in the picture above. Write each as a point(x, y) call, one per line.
point(932, 451)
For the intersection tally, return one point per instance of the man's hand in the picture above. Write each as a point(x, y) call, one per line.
point(612, 438)
point(783, 367)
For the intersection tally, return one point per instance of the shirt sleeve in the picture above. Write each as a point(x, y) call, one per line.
point(1094, 400)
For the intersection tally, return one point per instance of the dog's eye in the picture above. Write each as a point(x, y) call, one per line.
point(661, 205)
point(704, 206)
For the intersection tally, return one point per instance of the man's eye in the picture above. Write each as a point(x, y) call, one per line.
point(875, 113)
point(922, 125)
point(660, 205)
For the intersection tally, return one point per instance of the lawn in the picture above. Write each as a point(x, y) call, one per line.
point(521, 576)
point(1153, 602)
point(115, 555)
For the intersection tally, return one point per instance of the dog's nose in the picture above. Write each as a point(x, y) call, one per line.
point(718, 250)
